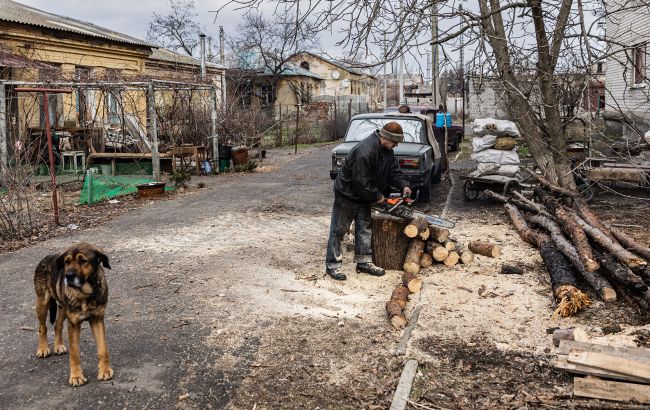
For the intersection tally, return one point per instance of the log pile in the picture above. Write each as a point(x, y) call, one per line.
point(574, 244)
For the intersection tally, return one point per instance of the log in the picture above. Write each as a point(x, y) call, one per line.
point(602, 287)
point(395, 307)
point(552, 187)
point(413, 256)
point(576, 334)
point(565, 290)
point(573, 230)
point(437, 251)
point(467, 257)
point(621, 274)
point(630, 243)
point(411, 282)
point(511, 270)
point(450, 245)
point(452, 259)
point(529, 205)
point(623, 255)
point(590, 217)
point(438, 234)
point(485, 248)
point(417, 228)
point(389, 245)
point(426, 260)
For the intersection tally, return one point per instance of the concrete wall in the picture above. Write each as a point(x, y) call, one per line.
point(485, 99)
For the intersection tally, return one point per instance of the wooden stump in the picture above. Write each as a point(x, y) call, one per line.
point(389, 244)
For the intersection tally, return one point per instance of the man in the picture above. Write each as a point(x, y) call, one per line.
point(369, 170)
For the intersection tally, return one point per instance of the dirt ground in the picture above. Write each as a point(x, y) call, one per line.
point(218, 299)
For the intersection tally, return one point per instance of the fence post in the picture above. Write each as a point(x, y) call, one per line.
point(280, 139)
point(295, 134)
point(213, 128)
point(336, 120)
point(153, 131)
point(4, 162)
point(350, 110)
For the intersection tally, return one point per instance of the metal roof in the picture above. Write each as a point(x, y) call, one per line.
point(19, 13)
point(337, 64)
point(163, 54)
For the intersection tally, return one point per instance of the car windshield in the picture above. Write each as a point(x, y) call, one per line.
point(360, 128)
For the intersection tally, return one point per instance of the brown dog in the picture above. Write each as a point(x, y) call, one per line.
point(74, 281)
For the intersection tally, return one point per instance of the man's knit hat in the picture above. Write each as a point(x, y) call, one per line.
point(392, 131)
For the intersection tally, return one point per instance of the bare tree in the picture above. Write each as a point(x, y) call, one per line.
point(522, 43)
point(176, 30)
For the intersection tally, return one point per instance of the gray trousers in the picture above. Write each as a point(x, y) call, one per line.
point(344, 212)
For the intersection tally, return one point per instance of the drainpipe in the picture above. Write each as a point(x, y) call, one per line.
point(202, 39)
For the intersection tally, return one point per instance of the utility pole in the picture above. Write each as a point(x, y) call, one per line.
point(202, 43)
point(462, 67)
point(385, 80)
point(434, 55)
point(401, 57)
point(222, 53)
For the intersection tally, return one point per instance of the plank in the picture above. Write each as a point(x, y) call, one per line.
point(610, 363)
point(609, 390)
point(561, 362)
point(636, 353)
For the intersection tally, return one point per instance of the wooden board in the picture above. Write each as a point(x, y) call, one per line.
point(637, 353)
point(609, 390)
point(562, 363)
point(619, 365)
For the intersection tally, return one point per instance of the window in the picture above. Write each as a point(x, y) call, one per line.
point(82, 75)
point(599, 68)
point(639, 63)
point(305, 65)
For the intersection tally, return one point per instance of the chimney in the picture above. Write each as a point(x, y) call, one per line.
point(202, 39)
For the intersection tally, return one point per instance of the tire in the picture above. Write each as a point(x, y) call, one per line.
point(436, 177)
point(456, 145)
point(425, 193)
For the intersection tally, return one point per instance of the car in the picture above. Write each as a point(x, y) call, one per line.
point(419, 155)
point(455, 133)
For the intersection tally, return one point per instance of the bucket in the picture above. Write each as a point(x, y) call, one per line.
point(224, 165)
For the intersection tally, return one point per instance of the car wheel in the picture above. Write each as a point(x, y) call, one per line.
point(456, 145)
point(425, 193)
point(437, 176)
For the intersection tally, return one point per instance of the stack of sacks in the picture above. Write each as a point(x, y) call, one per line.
point(495, 148)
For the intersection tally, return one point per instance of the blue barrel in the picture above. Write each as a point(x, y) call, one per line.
point(440, 119)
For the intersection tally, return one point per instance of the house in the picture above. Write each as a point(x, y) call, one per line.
point(627, 107)
point(339, 79)
point(106, 71)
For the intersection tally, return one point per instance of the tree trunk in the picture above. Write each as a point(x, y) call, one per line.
point(485, 248)
point(411, 282)
point(437, 251)
point(389, 245)
point(413, 256)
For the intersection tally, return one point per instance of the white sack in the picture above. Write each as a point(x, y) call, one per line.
point(500, 128)
point(496, 156)
point(490, 168)
point(646, 137)
point(482, 143)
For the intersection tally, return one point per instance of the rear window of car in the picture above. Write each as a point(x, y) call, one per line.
point(414, 129)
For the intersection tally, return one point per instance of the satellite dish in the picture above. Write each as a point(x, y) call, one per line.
point(345, 83)
point(335, 74)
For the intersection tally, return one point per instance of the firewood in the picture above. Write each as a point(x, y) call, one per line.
point(438, 234)
point(623, 255)
point(411, 282)
point(485, 248)
point(426, 260)
point(395, 307)
point(467, 257)
point(554, 188)
point(630, 243)
point(413, 256)
point(590, 217)
point(570, 299)
point(577, 334)
point(418, 227)
point(604, 289)
point(573, 230)
point(437, 251)
point(452, 259)
point(400, 295)
point(449, 245)
point(511, 270)
point(621, 274)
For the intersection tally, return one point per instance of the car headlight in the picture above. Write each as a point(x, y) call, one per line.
point(339, 161)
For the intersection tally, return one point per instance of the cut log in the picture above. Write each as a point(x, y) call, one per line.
point(621, 274)
point(411, 282)
point(400, 295)
point(452, 259)
point(630, 243)
point(417, 228)
point(573, 230)
point(438, 234)
point(449, 245)
point(623, 255)
point(590, 217)
point(602, 287)
point(389, 245)
point(610, 390)
point(413, 256)
point(467, 257)
point(396, 315)
point(511, 270)
point(437, 251)
point(426, 260)
point(576, 334)
point(485, 248)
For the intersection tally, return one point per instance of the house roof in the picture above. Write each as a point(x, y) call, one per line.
point(163, 54)
point(337, 64)
point(19, 13)
point(291, 69)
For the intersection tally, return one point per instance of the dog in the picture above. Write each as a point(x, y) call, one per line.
point(74, 283)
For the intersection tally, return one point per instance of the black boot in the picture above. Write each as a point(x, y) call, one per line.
point(336, 273)
point(370, 268)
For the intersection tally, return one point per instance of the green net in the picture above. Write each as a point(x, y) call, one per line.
point(101, 187)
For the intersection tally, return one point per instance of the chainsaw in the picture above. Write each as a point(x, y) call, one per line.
point(402, 207)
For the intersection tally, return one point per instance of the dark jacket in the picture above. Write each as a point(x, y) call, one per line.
point(368, 171)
